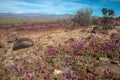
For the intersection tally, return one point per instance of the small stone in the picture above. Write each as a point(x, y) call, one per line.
point(115, 62)
point(97, 29)
point(104, 59)
point(1, 45)
point(49, 37)
point(56, 72)
point(69, 40)
point(113, 31)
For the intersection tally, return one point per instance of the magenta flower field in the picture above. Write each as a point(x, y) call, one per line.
point(59, 54)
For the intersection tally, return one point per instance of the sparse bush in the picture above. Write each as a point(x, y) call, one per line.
point(82, 17)
point(95, 20)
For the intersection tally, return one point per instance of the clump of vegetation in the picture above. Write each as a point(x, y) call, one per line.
point(82, 17)
point(107, 16)
point(104, 23)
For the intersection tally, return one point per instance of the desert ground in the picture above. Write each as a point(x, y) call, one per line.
point(52, 52)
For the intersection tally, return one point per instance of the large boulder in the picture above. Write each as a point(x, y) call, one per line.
point(22, 43)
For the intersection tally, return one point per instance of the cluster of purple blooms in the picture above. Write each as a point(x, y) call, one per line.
point(52, 51)
point(111, 45)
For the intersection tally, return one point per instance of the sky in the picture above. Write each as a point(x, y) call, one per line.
point(57, 6)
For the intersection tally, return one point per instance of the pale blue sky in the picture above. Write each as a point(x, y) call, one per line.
point(57, 6)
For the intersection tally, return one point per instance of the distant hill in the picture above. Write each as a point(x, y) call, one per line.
point(33, 15)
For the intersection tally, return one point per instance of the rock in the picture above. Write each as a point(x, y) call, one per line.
point(108, 70)
point(1, 45)
point(70, 40)
point(118, 30)
point(100, 30)
point(115, 62)
point(2, 52)
point(104, 59)
point(97, 29)
point(12, 37)
point(56, 72)
point(113, 31)
point(22, 43)
point(49, 37)
point(88, 30)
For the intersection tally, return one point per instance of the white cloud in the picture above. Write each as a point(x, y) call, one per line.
point(45, 6)
point(42, 7)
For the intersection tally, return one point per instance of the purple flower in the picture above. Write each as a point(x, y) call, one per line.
point(38, 69)
point(81, 46)
point(16, 59)
point(76, 73)
point(81, 60)
point(105, 72)
point(24, 61)
point(93, 78)
point(67, 76)
point(16, 69)
point(116, 41)
point(75, 52)
point(44, 67)
point(46, 77)
point(52, 52)
point(29, 76)
point(27, 72)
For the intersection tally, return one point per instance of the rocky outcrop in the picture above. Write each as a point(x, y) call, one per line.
point(106, 70)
